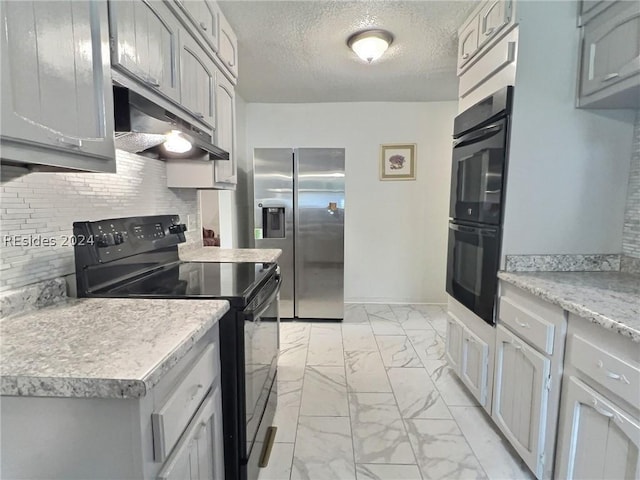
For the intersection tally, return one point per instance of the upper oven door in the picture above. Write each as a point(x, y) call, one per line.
point(477, 174)
point(261, 344)
point(472, 267)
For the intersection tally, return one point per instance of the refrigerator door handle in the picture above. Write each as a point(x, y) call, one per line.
point(297, 250)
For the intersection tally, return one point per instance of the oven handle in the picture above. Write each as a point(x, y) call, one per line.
point(485, 232)
point(483, 133)
point(252, 315)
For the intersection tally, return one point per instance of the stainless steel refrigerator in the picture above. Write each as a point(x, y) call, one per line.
point(299, 208)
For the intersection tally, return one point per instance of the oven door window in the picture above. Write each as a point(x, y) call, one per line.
point(472, 267)
point(261, 338)
point(476, 180)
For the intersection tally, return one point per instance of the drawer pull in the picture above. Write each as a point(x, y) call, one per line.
point(203, 26)
point(199, 115)
point(70, 142)
point(196, 390)
point(523, 325)
point(611, 76)
point(489, 31)
point(613, 375)
point(465, 56)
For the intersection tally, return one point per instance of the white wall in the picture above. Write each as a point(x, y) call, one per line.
point(568, 167)
point(396, 231)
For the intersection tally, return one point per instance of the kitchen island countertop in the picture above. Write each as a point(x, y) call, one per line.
point(100, 348)
point(609, 299)
point(233, 255)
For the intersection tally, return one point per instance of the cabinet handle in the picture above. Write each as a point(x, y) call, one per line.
point(602, 412)
point(201, 428)
point(516, 345)
point(611, 76)
point(489, 31)
point(203, 26)
point(199, 115)
point(230, 63)
point(523, 325)
point(196, 390)
point(470, 340)
point(70, 142)
point(613, 375)
point(465, 56)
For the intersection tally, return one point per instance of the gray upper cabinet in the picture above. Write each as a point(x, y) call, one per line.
point(144, 41)
point(197, 82)
point(225, 172)
point(468, 42)
point(610, 67)
point(57, 100)
point(493, 18)
point(228, 52)
point(204, 17)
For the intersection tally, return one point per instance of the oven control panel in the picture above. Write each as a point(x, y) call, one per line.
point(121, 237)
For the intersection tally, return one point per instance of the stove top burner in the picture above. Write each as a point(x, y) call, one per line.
point(195, 280)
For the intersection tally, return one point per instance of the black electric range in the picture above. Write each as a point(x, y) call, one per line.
point(137, 257)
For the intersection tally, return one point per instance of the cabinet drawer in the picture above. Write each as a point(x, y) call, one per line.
point(529, 326)
point(608, 370)
point(170, 420)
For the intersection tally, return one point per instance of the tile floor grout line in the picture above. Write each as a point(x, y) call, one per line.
point(346, 384)
point(304, 374)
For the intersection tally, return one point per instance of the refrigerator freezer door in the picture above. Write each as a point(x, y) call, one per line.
point(273, 188)
point(319, 224)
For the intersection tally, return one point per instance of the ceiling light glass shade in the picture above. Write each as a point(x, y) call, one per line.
point(176, 143)
point(370, 44)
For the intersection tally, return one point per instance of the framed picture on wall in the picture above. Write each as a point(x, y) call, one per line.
point(398, 161)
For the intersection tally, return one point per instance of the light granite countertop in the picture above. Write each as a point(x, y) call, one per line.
point(234, 255)
point(104, 348)
point(609, 299)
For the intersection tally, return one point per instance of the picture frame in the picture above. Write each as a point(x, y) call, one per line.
point(398, 161)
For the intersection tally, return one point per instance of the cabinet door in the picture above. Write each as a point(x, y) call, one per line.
point(199, 453)
point(597, 439)
point(467, 42)
point(144, 43)
point(204, 16)
point(225, 171)
point(611, 50)
point(208, 441)
point(56, 82)
point(453, 342)
point(228, 52)
point(520, 397)
point(493, 18)
point(197, 80)
point(474, 365)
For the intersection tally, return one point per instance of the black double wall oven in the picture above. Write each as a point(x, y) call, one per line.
point(137, 257)
point(479, 164)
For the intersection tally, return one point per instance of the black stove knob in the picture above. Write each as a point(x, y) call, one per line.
point(105, 240)
point(179, 228)
point(118, 238)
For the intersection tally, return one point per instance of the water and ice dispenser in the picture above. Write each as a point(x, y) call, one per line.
point(273, 222)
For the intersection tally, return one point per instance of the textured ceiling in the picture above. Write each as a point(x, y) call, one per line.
point(295, 51)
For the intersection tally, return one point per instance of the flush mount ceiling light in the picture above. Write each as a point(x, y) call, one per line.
point(369, 45)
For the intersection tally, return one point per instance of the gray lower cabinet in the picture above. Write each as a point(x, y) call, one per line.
point(529, 357)
point(521, 396)
point(599, 433)
point(604, 440)
point(57, 100)
point(172, 432)
point(610, 66)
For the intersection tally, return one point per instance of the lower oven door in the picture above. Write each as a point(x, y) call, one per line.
point(261, 345)
point(472, 267)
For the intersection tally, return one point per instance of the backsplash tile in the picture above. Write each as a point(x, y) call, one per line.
point(562, 263)
point(41, 208)
point(631, 231)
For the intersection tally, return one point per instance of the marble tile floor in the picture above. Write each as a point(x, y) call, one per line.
point(371, 398)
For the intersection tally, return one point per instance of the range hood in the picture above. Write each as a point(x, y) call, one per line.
point(141, 126)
